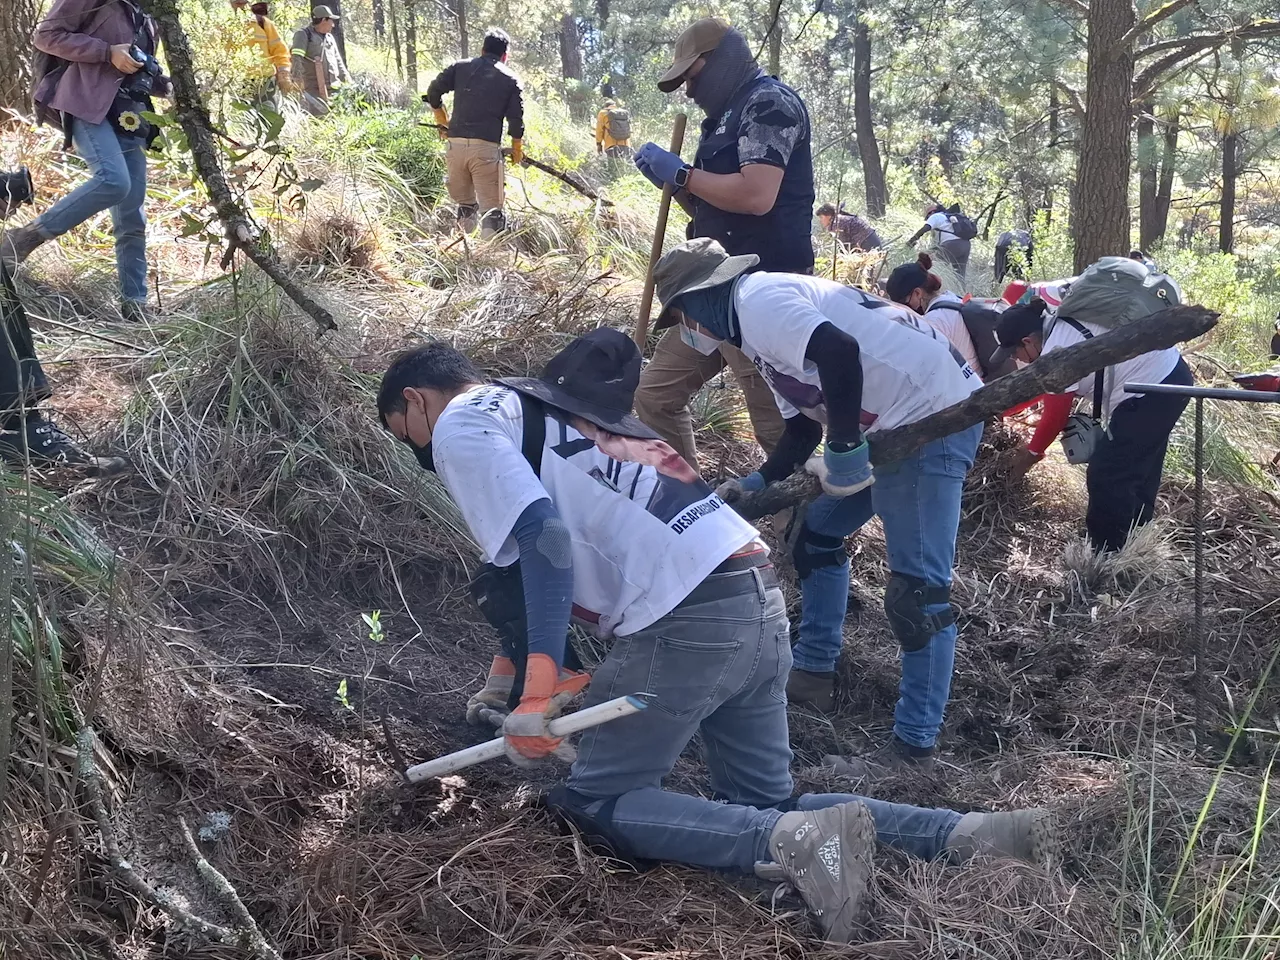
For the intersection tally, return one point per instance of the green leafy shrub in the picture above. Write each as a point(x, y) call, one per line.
point(413, 152)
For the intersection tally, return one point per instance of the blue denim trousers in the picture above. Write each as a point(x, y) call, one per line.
point(918, 501)
point(119, 182)
point(720, 669)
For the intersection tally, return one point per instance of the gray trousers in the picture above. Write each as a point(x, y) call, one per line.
point(719, 669)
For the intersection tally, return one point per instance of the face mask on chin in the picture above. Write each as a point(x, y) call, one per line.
point(423, 454)
point(704, 344)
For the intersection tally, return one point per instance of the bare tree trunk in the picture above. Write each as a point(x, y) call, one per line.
point(1148, 176)
point(868, 146)
point(775, 39)
point(1164, 192)
point(570, 50)
point(1101, 223)
point(464, 39)
point(339, 29)
point(194, 119)
point(1227, 206)
point(16, 24)
point(1055, 127)
point(411, 44)
point(394, 9)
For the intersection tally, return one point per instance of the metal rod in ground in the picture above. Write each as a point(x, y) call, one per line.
point(559, 727)
point(1199, 575)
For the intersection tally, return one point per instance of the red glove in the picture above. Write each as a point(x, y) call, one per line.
point(546, 690)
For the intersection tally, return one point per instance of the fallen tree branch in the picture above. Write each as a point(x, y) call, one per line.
point(194, 119)
point(250, 938)
point(223, 887)
point(1052, 373)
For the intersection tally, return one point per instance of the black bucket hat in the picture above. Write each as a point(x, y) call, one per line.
point(595, 378)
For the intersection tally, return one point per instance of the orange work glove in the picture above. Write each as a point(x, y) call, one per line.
point(442, 118)
point(517, 151)
point(546, 691)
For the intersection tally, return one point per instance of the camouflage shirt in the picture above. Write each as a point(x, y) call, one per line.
point(773, 122)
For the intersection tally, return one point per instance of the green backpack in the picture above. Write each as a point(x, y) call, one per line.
point(1116, 291)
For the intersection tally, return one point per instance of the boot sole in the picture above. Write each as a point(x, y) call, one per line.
point(858, 847)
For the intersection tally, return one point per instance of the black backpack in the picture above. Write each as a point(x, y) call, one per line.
point(46, 64)
point(961, 225)
point(980, 322)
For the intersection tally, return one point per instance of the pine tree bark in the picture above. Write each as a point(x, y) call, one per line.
point(193, 117)
point(775, 38)
point(1148, 176)
point(1100, 226)
point(1227, 205)
point(1168, 159)
point(411, 44)
point(570, 49)
point(16, 24)
point(464, 38)
point(868, 147)
point(393, 8)
point(339, 29)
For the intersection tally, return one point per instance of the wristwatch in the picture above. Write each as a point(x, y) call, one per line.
point(681, 178)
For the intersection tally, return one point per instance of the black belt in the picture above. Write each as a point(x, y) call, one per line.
point(721, 583)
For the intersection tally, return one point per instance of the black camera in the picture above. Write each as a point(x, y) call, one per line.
point(142, 84)
point(16, 187)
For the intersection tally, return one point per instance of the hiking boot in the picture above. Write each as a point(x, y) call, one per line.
point(1030, 835)
point(48, 446)
point(136, 311)
point(826, 855)
point(893, 756)
point(17, 243)
point(815, 689)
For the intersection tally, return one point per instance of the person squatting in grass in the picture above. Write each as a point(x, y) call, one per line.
point(841, 359)
point(609, 523)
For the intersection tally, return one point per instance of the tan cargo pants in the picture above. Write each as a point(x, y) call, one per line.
point(677, 372)
point(476, 174)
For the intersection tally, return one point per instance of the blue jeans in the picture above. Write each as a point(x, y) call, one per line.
point(918, 501)
point(720, 669)
point(119, 181)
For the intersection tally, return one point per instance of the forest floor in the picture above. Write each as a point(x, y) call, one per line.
point(230, 676)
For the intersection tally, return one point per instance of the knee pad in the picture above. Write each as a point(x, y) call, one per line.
point(905, 598)
point(595, 825)
point(813, 551)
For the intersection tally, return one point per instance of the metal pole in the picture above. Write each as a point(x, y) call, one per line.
point(1201, 742)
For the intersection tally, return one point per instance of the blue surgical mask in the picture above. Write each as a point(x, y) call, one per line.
point(704, 344)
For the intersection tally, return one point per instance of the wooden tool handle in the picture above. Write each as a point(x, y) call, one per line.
point(659, 235)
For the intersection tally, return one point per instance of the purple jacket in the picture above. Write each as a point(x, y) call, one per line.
point(84, 31)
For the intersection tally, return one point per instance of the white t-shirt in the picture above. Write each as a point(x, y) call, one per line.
point(909, 370)
point(941, 224)
point(643, 535)
point(1150, 367)
point(950, 323)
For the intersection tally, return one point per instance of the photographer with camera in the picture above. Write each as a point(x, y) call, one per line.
point(25, 433)
point(95, 81)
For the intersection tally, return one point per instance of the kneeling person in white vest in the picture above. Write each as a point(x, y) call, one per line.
point(613, 527)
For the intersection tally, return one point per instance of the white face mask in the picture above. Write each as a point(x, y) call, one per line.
point(704, 344)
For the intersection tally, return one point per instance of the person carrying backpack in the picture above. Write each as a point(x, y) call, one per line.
point(952, 231)
point(612, 526)
point(613, 131)
point(318, 66)
point(1126, 460)
point(969, 327)
point(1019, 265)
point(95, 82)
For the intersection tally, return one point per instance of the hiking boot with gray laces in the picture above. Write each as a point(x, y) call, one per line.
point(826, 855)
point(1030, 835)
point(18, 243)
point(48, 446)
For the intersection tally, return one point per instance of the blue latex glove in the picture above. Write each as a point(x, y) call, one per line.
point(843, 472)
point(649, 174)
point(663, 164)
point(731, 490)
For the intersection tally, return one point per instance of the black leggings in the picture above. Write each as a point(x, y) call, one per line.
point(22, 381)
point(1124, 473)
